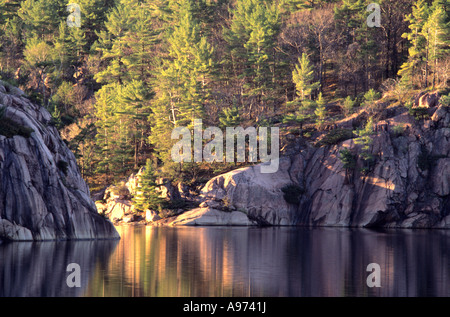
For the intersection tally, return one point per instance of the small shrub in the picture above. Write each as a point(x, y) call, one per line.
point(120, 189)
point(292, 194)
point(445, 100)
point(167, 213)
point(175, 204)
point(347, 158)
point(348, 105)
point(398, 130)
point(335, 137)
point(63, 166)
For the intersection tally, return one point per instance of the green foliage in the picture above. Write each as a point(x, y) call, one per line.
point(230, 117)
point(135, 70)
point(251, 40)
point(303, 78)
point(348, 105)
point(347, 158)
point(398, 130)
point(429, 41)
point(445, 100)
point(370, 98)
point(365, 139)
point(365, 135)
point(335, 137)
point(292, 193)
point(419, 113)
point(320, 111)
point(146, 196)
point(121, 112)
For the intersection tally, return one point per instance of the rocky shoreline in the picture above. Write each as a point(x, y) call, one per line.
point(408, 185)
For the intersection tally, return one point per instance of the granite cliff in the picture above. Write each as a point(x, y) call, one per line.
point(42, 194)
point(406, 186)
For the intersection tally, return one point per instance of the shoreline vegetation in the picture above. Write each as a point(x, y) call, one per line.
point(362, 110)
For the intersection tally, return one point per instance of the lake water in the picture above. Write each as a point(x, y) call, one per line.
point(233, 261)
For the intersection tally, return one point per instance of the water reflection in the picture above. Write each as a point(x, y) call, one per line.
point(38, 269)
point(274, 262)
point(225, 261)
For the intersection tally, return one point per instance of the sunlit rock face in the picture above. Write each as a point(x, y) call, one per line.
point(408, 185)
point(42, 194)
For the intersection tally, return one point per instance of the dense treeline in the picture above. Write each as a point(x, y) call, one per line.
point(118, 84)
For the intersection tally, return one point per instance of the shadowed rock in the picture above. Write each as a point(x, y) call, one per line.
point(42, 193)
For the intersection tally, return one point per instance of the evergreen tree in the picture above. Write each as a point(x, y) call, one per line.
point(252, 60)
point(303, 78)
point(436, 31)
point(112, 46)
point(351, 17)
point(320, 111)
point(183, 82)
point(418, 42)
point(230, 117)
point(146, 196)
point(365, 139)
point(41, 18)
point(348, 105)
point(93, 17)
point(104, 110)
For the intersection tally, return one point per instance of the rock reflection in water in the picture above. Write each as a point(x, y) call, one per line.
point(273, 262)
point(38, 269)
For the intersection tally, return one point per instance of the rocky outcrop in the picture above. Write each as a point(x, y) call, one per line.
point(427, 100)
point(116, 201)
point(207, 217)
point(406, 186)
point(42, 194)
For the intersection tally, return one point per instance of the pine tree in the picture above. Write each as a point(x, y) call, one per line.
point(146, 196)
point(104, 110)
point(251, 38)
point(41, 18)
point(418, 49)
point(183, 82)
point(348, 105)
point(303, 78)
point(436, 31)
point(320, 111)
point(365, 139)
point(351, 17)
point(230, 117)
point(140, 40)
point(93, 17)
point(191, 63)
point(112, 46)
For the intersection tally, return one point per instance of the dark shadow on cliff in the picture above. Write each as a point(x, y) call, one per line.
point(39, 269)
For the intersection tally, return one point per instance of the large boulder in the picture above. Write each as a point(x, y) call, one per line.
point(407, 186)
point(207, 217)
point(42, 193)
point(427, 100)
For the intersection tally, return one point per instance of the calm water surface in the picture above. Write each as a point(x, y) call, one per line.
point(226, 261)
